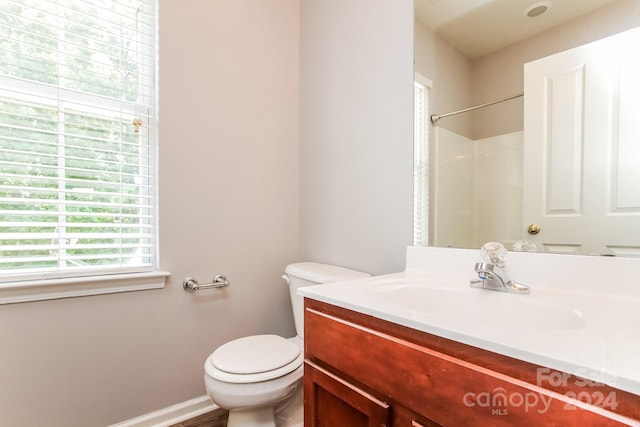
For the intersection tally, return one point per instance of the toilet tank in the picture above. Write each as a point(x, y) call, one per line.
point(309, 274)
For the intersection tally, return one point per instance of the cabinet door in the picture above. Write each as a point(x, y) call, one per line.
point(331, 401)
point(403, 417)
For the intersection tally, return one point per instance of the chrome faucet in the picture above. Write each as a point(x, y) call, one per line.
point(492, 275)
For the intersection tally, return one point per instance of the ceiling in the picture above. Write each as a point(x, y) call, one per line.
point(479, 27)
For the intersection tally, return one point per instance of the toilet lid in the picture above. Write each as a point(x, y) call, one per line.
point(254, 354)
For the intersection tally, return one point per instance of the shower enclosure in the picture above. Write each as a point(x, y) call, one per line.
point(476, 184)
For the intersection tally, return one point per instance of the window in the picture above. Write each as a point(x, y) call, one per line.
point(421, 120)
point(77, 139)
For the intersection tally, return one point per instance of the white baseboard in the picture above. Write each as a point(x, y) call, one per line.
point(172, 414)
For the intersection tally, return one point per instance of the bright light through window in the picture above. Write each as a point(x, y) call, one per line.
point(77, 138)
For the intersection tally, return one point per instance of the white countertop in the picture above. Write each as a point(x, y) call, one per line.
point(597, 335)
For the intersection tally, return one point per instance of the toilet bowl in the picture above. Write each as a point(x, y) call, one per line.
point(249, 376)
point(253, 378)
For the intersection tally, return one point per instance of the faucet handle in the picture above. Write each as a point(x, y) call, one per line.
point(493, 253)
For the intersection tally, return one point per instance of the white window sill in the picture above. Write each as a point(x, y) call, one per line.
point(38, 290)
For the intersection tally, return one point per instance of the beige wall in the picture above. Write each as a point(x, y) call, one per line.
point(356, 119)
point(238, 195)
point(459, 82)
point(228, 203)
point(500, 74)
point(451, 74)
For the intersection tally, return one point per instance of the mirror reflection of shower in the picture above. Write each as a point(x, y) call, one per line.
point(456, 50)
point(476, 184)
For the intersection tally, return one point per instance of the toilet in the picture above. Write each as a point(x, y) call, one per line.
point(249, 376)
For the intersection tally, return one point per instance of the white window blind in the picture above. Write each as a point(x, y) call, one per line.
point(421, 161)
point(77, 138)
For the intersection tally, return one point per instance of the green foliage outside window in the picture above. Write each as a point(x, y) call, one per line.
point(70, 169)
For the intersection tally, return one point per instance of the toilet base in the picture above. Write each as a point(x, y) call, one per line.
point(254, 417)
point(290, 413)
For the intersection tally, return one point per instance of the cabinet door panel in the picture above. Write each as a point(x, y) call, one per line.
point(446, 388)
point(331, 401)
point(403, 417)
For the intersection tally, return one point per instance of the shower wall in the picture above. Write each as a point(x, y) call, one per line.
point(498, 189)
point(477, 189)
point(451, 184)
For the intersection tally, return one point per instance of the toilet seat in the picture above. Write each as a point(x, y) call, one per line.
point(253, 359)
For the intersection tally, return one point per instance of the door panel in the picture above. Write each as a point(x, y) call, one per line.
point(582, 149)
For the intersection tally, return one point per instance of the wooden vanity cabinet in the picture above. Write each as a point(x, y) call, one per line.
point(363, 371)
point(333, 401)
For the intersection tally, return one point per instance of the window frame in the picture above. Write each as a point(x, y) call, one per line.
point(45, 285)
point(68, 287)
point(421, 147)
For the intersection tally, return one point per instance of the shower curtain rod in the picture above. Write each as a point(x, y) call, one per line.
point(436, 117)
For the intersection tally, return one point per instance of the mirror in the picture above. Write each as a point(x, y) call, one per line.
point(473, 52)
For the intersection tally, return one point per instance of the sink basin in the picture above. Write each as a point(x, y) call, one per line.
point(481, 306)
